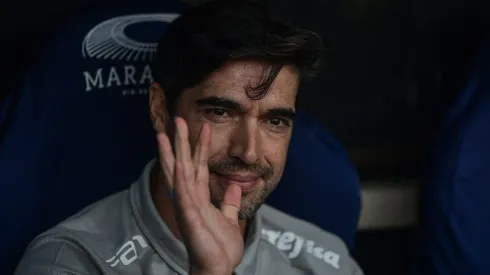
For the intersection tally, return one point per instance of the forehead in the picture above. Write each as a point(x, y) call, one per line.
point(236, 78)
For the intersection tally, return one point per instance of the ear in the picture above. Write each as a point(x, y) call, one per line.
point(158, 110)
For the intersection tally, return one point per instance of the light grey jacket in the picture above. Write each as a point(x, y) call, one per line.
point(124, 235)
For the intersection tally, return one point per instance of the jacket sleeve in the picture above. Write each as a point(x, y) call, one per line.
point(55, 256)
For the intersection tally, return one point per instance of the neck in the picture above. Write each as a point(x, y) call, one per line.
point(165, 205)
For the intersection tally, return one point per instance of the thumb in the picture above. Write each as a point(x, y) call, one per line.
point(231, 203)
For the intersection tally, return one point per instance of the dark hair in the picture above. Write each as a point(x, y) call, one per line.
point(205, 37)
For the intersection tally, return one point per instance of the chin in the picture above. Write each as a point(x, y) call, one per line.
point(248, 210)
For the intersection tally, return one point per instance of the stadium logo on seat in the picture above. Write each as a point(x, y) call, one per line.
point(120, 42)
point(109, 39)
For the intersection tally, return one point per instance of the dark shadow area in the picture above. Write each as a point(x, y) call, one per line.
point(385, 252)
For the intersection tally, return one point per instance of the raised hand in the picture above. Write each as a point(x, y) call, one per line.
point(212, 236)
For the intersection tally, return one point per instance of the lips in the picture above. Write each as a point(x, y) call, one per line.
point(244, 181)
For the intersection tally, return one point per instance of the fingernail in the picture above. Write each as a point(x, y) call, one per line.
point(171, 194)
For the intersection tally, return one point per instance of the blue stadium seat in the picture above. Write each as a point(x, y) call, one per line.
point(78, 127)
point(319, 183)
point(455, 212)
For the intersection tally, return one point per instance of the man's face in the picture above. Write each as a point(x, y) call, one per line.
point(249, 138)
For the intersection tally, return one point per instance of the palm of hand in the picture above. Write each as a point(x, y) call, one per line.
point(214, 241)
point(212, 236)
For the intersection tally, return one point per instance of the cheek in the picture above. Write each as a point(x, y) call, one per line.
point(220, 136)
point(220, 140)
point(276, 152)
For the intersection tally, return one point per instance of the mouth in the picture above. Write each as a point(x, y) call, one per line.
point(245, 181)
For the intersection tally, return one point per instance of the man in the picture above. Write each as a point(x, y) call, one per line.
point(229, 75)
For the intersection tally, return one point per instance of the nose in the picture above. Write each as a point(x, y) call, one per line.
point(244, 142)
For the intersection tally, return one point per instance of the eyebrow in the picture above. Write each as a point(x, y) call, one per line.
point(220, 102)
point(226, 103)
point(281, 112)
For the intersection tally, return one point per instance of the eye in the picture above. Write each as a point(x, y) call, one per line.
point(279, 122)
point(217, 112)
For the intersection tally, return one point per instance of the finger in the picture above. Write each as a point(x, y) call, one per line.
point(201, 157)
point(183, 198)
point(167, 159)
point(230, 206)
point(197, 149)
point(185, 210)
point(183, 149)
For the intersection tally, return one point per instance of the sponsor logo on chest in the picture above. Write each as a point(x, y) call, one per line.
point(293, 245)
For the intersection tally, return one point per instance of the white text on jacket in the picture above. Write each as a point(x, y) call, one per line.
point(288, 241)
